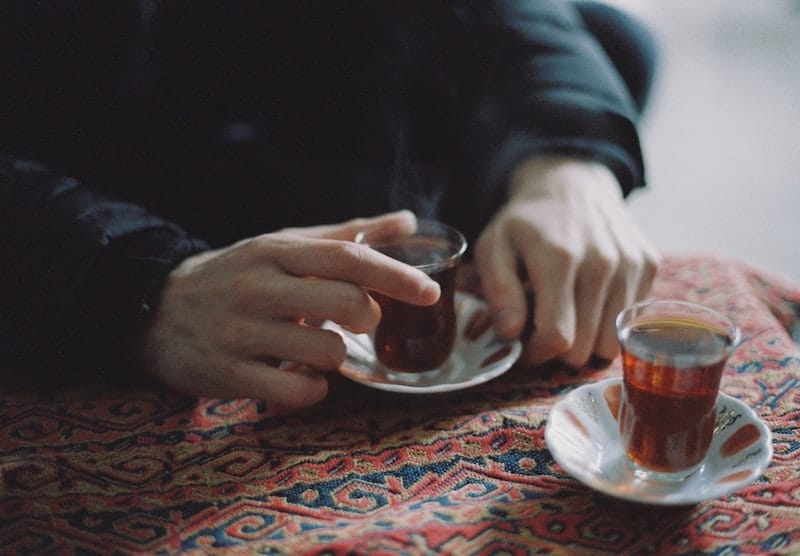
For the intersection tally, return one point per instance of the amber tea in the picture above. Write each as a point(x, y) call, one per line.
point(412, 338)
point(415, 339)
point(672, 366)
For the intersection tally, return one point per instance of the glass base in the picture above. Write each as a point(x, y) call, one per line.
point(410, 378)
point(645, 474)
point(452, 366)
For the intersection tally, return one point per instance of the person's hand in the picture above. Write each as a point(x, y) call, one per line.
point(565, 234)
point(230, 323)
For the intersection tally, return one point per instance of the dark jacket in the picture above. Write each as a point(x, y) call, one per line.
point(135, 134)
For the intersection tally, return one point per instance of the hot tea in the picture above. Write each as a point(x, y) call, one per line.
point(672, 366)
point(411, 338)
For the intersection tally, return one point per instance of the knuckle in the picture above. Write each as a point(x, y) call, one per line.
point(259, 244)
point(556, 340)
point(517, 220)
point(357, 222)
point(630, 262)
point(602, 266)
point(652, 263)
point(564, 253)
point(246, 292)
point(639, 271)
point(349, 251)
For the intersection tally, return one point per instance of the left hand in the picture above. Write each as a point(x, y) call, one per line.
point(565, 230)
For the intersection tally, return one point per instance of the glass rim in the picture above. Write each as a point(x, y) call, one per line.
point(424, 228)
point(732, 328)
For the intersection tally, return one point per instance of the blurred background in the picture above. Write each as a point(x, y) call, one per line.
point(722, 133)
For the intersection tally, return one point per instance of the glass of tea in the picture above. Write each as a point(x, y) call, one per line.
point(673, 355)
point(410, 338)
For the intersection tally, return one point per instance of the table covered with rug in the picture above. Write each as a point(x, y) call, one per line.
point(146, 471)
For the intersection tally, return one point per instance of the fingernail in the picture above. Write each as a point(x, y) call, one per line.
point(431, 290)
point(507, 321)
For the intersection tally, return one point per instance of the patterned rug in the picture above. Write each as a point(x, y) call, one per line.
point(95, 471)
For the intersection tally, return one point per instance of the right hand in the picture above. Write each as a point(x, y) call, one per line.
point(567, 228)
point(230, 323)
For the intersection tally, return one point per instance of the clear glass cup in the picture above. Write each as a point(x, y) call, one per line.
point(673, 355)
point(410, 338)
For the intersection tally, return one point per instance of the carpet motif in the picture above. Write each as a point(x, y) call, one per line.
point(100, 471)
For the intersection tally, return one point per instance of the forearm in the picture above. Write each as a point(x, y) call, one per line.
point(80, 270)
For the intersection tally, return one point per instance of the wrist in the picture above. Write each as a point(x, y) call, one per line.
point(559, 174)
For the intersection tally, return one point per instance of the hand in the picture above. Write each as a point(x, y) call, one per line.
point(228, 321)
point(565, 229)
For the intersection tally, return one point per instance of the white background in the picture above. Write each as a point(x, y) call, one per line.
point(722, 134)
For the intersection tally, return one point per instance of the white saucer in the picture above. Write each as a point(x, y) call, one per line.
point(478, 356)
point(583, 435)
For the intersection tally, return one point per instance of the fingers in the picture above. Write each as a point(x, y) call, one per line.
point(242, 361)
point(606, 344)
point(350, 262)
point(292, 388)
point(604, 288)
point(553, 281)
point(582, 324)
point(291, 341)
point(632, 281)
point(394, 223)
point(212, 370)
point(551, 275)
point(496, 263)
point(584, 257)
point(272, 340)
point(292, 298)
point(592, 287)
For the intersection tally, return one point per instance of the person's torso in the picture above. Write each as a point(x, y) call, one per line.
point(234, 119)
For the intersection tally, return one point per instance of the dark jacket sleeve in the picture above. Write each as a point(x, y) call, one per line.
point(79, 273)
point(546, 86)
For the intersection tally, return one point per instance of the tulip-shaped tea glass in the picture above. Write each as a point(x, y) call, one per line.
point(673, 355)
point(410, 338)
